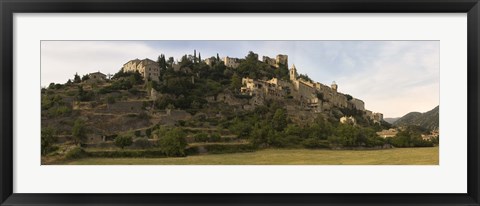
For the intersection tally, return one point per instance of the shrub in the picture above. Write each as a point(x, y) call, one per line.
point(181, 123)
point(142, 143)
point(148, 132)
point(48, 139)
point(173, 143)
point(133, 91)
point(75, 153)
point(127, 153)
point(123, 141)
point(79, 131)
point(111, 100)
point(137, 133)
point(215, 137)
point(314, 143)
point(143, 116)
point(222, 148)
point(201, 137)
point(60, 111)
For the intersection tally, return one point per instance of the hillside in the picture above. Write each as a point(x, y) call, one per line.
point(192, 107)
point(428, 120)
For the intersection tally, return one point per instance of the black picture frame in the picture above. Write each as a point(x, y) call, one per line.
point(9, 7)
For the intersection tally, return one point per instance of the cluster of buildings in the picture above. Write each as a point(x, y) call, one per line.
point(150, 70)
point(315, 96)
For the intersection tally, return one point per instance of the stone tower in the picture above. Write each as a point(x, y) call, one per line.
point(293, 73)
point(334, 86)
point(281, 59)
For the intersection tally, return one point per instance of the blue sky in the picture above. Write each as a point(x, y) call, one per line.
point(392, 77)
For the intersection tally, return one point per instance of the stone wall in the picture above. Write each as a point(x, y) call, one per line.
point(358, 104)
point(282, 59)
point(270, 61)
point(231, 62)
point(123, 107)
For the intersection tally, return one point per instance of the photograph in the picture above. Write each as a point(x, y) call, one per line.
point(240, 102)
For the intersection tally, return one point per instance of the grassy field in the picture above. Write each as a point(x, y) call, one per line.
point(398, 156)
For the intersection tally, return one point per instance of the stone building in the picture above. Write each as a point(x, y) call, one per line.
point(270, 61)
point(313, 96)
point(348, 120)
point(231, 62)
point(387, 133)
point(96, 77)
point(280, 59)
point(272, 88)
point(149, 69)
point(320, 97)
point(377, 117)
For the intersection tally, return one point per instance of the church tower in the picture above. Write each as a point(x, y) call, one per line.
point(293, 73)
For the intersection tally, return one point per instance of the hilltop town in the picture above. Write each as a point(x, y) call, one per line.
point(236, 104)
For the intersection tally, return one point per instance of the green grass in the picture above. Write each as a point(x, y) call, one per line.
point(398, 156)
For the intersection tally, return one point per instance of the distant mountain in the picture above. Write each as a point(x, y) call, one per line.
point(391, 120)
point(427, 120)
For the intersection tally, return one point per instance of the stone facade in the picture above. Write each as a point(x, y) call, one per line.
point(273, 88)
point(149, 69)
point(96, 77)
point(231, 62)
point(315, 96)
point(280, 59)
point(387, 133)
point(270, 61)
point(358, 104)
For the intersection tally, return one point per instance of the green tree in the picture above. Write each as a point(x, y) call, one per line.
point(162, 63)
point(76, 78)
point(142, 143)
point(279, 121)
point(170, 61)
point(48, 140)
point(185, 62)
point(201, 137)
point(123, 141)
point(195, 56)
point(85, 77)
point(235, 82)
point(173, 143)
point(79, 131)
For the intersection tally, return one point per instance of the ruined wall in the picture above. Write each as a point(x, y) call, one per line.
point(281, 59)
point(270, 61)
point(358, 104)
point(231, 62)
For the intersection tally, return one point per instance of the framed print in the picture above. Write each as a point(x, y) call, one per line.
point(251, 103)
